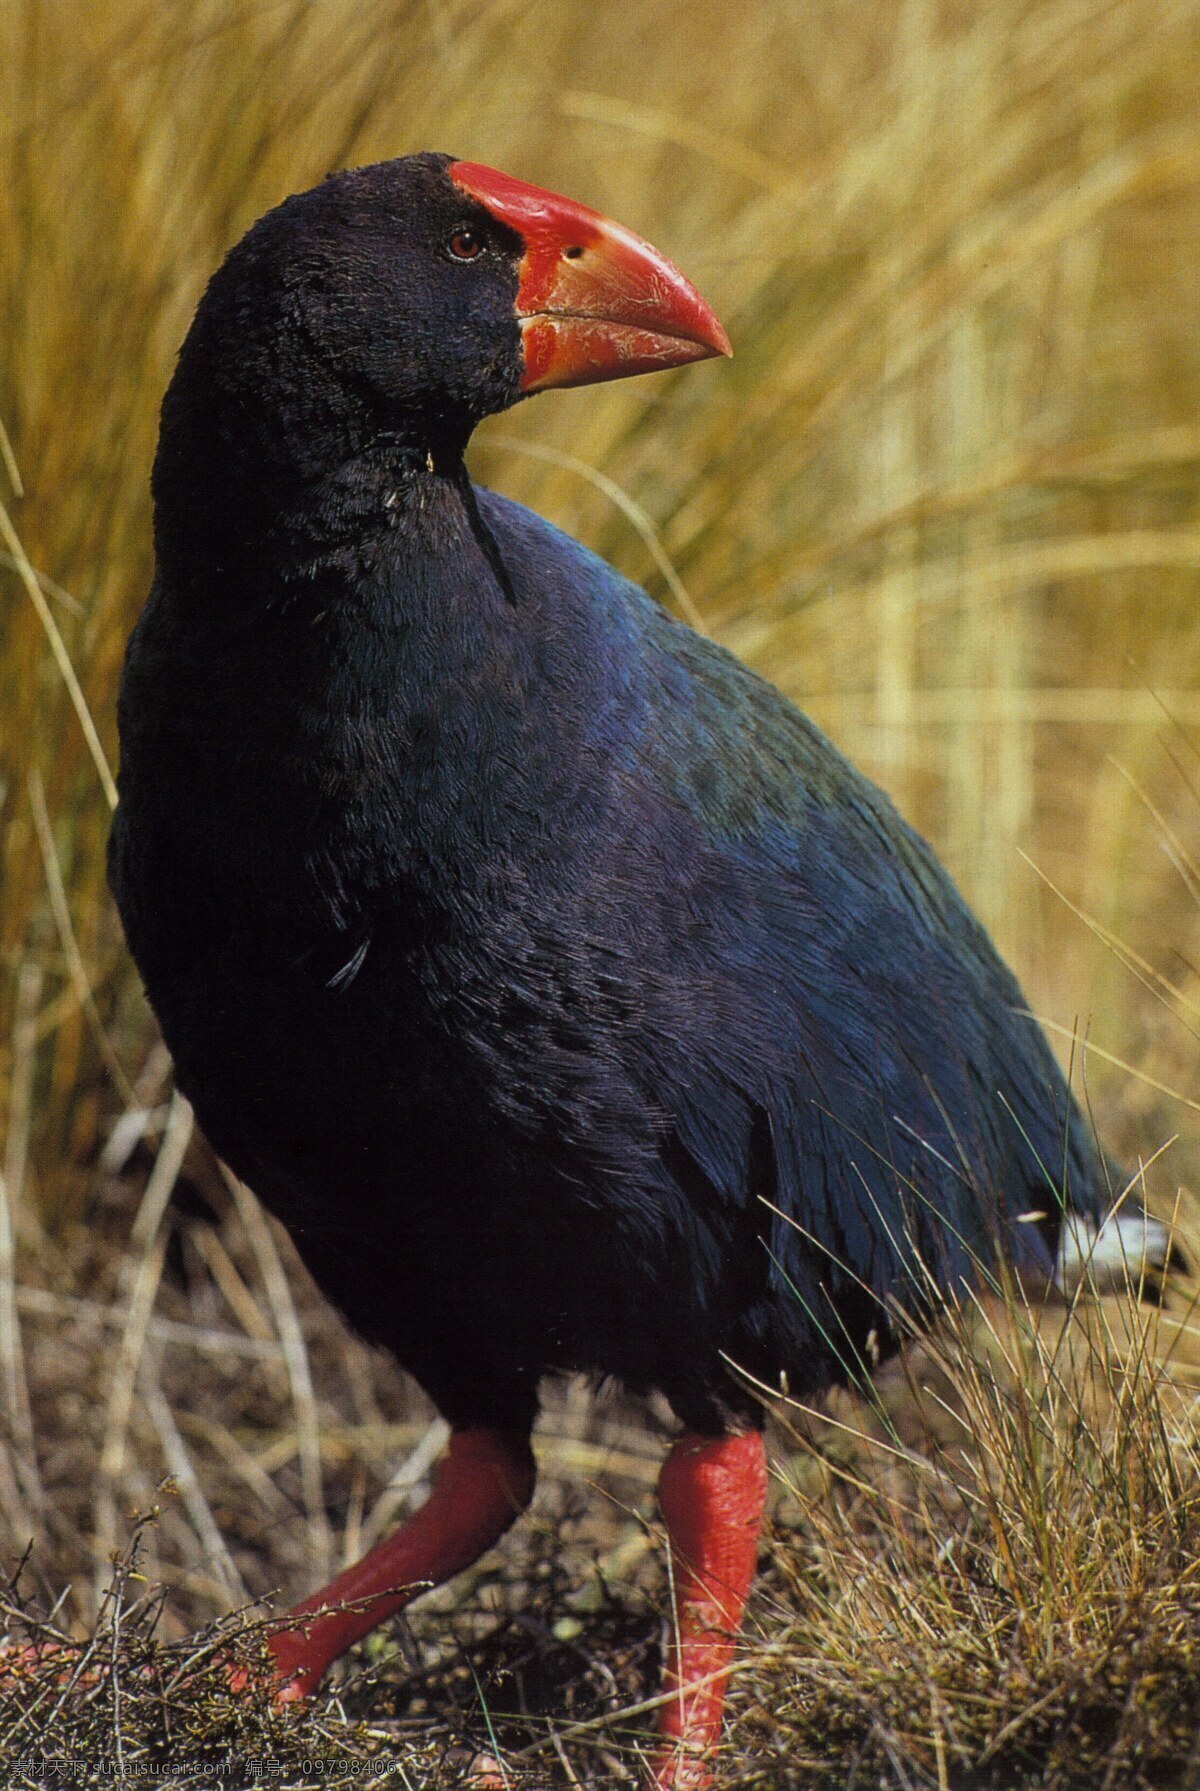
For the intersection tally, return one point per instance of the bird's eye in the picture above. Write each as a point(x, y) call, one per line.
point(464, 245)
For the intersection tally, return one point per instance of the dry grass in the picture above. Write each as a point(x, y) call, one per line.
point(996, 1581)
point(983, 1570)
point(947, 493)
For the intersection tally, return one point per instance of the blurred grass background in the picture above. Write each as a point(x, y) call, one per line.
point(947, 494)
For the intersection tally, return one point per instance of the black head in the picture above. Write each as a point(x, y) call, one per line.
point(392, 288)
point(378, 317)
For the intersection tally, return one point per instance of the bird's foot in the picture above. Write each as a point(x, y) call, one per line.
point(23, 1665)
point(26, 1666)
point(680, 1768)
point(479, 1771)
point(284, 1673)
point(264, 1682)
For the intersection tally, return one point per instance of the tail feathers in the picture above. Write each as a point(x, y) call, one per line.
point(1126, 1250)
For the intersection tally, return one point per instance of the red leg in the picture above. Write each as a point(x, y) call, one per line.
point(485, 1480)
point(711, 1492)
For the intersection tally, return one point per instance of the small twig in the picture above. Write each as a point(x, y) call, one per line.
point(239, 1460)
point(295, 1355)
point(1118, 1063)
point(60, 908)
point(179, 1465)
point(12, 1367)
point(10, 462)
point(769, 1651)
point(149, 1244)
point(71, 604)
point(223, 1270)
point(161, 1185)
point(20, 1081)
point(411, 1471)
point(114, 1668)
point(39, 1302)
point(30, 1502)
point(29, 579)
point(131, 1126)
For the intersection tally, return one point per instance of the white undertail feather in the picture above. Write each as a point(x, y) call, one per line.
point(1125, 1249)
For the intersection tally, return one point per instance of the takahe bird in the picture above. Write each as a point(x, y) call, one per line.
point(566, 994)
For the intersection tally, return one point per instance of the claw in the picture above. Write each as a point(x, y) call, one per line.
point(24, 1662)
point(680, 1769)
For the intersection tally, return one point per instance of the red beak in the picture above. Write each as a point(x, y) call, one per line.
point(595, 301)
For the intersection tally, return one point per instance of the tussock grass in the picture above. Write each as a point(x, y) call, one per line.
point(983, 1568)
point(995, 1579)
point(946, 495)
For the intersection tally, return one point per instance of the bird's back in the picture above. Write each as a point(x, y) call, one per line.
point(849, 1082)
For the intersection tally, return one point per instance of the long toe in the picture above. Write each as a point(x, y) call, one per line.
point(680, 1769)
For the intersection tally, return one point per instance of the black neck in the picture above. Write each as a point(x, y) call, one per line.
point(262, 525)
point(249, 496)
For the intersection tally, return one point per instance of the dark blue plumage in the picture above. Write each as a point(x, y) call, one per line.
point(660, 1033)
